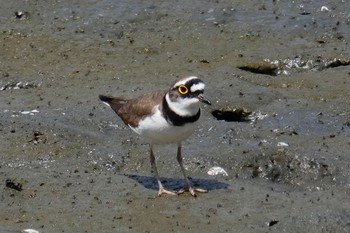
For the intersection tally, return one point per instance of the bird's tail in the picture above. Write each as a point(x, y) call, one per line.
point(114, 102)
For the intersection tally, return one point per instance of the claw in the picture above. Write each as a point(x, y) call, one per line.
point(192, 191)
point(164, 191)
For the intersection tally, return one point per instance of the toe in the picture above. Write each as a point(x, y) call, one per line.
point(199, 190)
point(164, 191)
point(192, 191)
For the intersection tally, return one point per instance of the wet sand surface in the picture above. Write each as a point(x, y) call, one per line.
point(276, 72)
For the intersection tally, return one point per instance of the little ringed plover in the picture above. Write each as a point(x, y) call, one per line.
point(164, 117)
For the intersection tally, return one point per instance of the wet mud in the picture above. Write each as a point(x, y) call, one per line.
point(277, 74)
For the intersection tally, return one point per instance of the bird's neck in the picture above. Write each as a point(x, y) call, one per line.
point(179, 115)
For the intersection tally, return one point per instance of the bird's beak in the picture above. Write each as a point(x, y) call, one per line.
point(203, 99)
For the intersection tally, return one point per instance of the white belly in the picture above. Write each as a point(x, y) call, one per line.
point(156, 130)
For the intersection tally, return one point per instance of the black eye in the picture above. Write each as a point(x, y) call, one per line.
point(183, 90)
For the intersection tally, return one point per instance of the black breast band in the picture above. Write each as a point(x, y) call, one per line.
point(176, 119)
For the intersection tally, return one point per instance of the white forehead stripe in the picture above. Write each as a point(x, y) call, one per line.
point(197, 87)
point(185, 80)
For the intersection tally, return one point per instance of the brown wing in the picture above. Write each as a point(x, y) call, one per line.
point(133, 110)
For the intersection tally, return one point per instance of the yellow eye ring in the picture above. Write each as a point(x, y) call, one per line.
point(183, 90)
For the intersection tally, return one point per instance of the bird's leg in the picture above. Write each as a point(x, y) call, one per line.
point(188, 182)
point(162, 190)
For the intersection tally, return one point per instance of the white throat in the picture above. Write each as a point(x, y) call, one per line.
point(183, 106)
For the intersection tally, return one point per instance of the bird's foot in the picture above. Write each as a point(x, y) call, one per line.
point(164, 191)
point(192, 191)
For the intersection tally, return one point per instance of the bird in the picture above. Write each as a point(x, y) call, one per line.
point(164, 117)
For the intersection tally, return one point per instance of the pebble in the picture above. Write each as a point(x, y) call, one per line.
point(30, 231)
point(280, 144)
point(214, 171)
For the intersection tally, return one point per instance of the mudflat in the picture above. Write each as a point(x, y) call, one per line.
point(277, 74)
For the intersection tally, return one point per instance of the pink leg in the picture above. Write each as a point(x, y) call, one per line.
point(162, 190)
point(188, 182)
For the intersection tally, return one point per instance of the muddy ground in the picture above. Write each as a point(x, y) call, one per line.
point(68, 164)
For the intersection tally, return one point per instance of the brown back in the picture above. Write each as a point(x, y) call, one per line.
point(131, 111)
